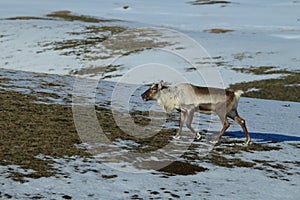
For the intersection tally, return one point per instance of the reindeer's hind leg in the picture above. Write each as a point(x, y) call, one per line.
point(235, 116)
point(242, 123)
point(181, 122)
point(222, 115)
point(226, 124)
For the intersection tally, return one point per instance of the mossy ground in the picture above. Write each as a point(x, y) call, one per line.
point(65, 15)
point(219, 30)
point(69, 16)
point(208, 2)
point(28, 129)
point(285, 88)
point(32, 134)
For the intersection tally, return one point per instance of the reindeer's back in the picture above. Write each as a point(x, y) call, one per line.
point(196, 94)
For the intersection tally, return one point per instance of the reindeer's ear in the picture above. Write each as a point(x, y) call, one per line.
point(160, 85)
point(153, 85)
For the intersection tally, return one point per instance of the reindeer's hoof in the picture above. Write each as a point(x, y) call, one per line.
point(214, 142)
point(176, 137)
point(246, 143)
point(198, 136)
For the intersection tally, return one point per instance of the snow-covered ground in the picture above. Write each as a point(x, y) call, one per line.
point(265, 33)
point(88, 179)
point(273, 156)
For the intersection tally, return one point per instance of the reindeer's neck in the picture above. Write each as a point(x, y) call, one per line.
point(167, 99)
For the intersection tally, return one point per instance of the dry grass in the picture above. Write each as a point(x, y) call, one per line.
point(218, 30)
point(29, 130)
point(285, 88)
point(208, 2)
point(69, 16)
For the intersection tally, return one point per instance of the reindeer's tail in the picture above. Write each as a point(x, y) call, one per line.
point(238, 93)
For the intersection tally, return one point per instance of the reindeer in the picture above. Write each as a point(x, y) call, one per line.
point(188, 99)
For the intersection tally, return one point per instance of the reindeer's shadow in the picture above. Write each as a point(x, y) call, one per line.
point(263, 137)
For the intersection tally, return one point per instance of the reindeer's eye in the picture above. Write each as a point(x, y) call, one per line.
point(156, 87)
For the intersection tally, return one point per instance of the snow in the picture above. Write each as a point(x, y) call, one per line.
point(116, 178)
point(85, 180)
point(266, 33)
point(270, 37)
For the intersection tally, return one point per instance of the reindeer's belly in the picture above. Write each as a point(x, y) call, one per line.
point(207, 108)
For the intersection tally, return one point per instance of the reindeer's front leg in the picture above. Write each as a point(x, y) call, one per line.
point(190, 116)
point(181, 122)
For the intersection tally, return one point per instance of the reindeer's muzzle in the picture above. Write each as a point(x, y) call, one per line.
point(145, 96)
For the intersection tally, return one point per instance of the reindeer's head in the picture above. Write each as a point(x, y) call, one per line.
point(152, 92)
